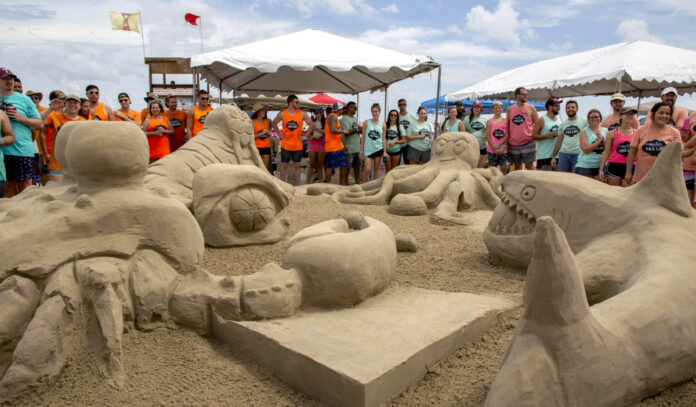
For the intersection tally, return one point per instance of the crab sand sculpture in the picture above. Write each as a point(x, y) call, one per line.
point(121, 255)
point(628, 252)
point(449, 182)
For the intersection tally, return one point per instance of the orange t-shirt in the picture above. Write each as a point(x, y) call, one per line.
point(48, 134)
point(199, 117)
point(159, 146)
point(99, 113)
point(650, 142)
point(178, 121)
point(677, 120)
point(261, 142)
point(292, 131)
point(133, 114)
point(332, 142)
point(144, 113)
point(55, 121)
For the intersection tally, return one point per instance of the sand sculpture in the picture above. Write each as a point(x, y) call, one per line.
point(129, 257)
point(633, 262)
point(449, 182)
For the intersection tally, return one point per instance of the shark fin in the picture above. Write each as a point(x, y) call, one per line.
point(664, 183)
point(554, 293)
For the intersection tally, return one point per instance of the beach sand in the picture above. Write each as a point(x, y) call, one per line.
point(173, 367)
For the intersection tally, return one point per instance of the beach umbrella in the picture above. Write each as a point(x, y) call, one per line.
point(324, 99)
point(636, 68)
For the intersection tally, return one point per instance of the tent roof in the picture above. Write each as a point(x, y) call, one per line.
point(643, 68)
point(290, 64)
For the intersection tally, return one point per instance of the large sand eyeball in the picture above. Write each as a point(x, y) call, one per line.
point(106, 152)
point(251, 209)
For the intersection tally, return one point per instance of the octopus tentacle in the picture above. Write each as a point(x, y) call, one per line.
point(435, 191)
point(416, 182)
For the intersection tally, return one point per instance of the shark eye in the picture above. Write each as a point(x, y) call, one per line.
point(528, 193)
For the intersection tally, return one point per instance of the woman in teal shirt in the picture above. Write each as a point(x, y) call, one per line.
point(373, 143)
point(476, 125)
point(396, 137)
point(591, 146)
point(452, 123)
point(421, 139)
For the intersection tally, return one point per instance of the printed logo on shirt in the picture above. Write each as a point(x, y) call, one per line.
point(553, 128)
point(201, 119)
point(613, 126)
point(392, 134)
point(423, 132)
point(518, 119)
point(654, 147)
point(373, 135)
point(405, 123)
point(477, 126)
point(599, 149)
point(160, 127)
point(571, 131)
point(175, 123)
point(498, 133)
point(292, 125)
point(624, 148)
point(354, 126)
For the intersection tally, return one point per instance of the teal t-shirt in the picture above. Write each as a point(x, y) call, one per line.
point(407, 122)
point(425, 129)
point(545, 146)
point(24, 144)
point(477, 127)
point(571, 135)
point(352, 142)
point(454, 127)
point(373, 137)
point(393, 135)
point(594, 158)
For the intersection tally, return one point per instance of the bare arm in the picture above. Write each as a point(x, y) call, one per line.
point(362, 138)
point(309, 120)
point(584, 146)
point(7, 133)
point(507, 122)
point(384, 138)
point(170, 129)
point(461, 127)
point(274, 124)
point(533, 113)
point(489, 138)
point(538, 125)
point(629, 164)
point(189, 123)
point(109, 113)
point(608, 141)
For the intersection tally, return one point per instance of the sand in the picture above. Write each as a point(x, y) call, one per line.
point(172, 367)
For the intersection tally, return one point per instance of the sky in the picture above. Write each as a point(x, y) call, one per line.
point(69, 44)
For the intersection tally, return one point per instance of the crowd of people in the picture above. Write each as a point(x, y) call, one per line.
point(615, 149)
point(29, 129)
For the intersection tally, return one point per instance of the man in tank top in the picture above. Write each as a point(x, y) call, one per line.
point(520, 122)
point(98, 110)
point(545, 133)
point(291, 146)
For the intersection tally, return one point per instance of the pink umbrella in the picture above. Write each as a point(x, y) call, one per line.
point(324, 99)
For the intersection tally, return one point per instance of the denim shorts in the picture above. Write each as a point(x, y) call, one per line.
point(287, 155)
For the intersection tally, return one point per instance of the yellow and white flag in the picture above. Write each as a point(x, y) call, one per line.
point(125, 21)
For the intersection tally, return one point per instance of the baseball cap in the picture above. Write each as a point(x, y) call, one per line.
point(56, 94)
point(4, 72)
point(629, 109)
point(72, 96)
point(670, 90)
point(336, 106)
point(618, 96)
point(31, 93)
point(477, 103)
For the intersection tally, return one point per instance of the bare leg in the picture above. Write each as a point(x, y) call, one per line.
point(328, 173)
point(480, 161)
point(283, 171)
point(529, 166)
point(312, 158)
point(375, 167)
point(297, 173)
point(342, 175)
point(368, 166)
point(356, 175)
point(267, 162)
point(320, 166)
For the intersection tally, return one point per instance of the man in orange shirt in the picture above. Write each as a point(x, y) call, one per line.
point(98, 111)
point(179, 121)
point(195, 118)
point(291, 147)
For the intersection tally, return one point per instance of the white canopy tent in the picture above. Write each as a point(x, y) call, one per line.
point(290, 64)
point(637, 68)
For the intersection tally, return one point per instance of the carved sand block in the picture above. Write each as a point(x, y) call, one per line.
point(634, 263)
point(449, 182)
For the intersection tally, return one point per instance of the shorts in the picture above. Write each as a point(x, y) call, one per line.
point(19, 168)
point(287, 155)
point(689, 180)
point(55, 172)
point(353, 160)
point(616, 170)
point(376, 154)
point(483, 151)
point(336, 159)
point(526, 153)
point(394, 154)
point(417, 155)
point(544, 162)
point(264, 150)
point(2, 188)
point(587, 172)
point(495, 160)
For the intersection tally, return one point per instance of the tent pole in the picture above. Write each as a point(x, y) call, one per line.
point(386, 91)
point(437, 99)
point(357, 111)
point(220, 99)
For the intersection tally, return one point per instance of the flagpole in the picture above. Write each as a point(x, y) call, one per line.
point(200, 32)
point(142, 34)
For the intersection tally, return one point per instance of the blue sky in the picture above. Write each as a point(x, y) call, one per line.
point(69, 44)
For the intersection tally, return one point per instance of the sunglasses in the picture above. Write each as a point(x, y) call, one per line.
point(402, 104)
point(123, 100)
point(93, 92)
point(557, 105)
point(393, 115)
point(204, 98)
point(35, 97)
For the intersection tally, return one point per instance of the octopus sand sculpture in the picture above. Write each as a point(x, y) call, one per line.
point(628, 252)
point(449, 182)
point(129, 253)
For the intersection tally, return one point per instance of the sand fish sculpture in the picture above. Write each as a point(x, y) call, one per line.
point(608, 316)
point(102, 252)
point(449, 182)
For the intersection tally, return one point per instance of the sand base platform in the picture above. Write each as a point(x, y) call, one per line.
point(366, 355)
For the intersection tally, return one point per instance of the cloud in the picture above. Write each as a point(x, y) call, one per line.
point(390, 9)
point(26, 12)
point(340, 7)
point(403, 39)
point(634, 29)
point(504, 24)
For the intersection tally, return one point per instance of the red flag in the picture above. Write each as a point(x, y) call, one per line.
point(191, 18)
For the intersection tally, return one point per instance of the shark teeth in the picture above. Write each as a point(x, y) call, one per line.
point(518, 220)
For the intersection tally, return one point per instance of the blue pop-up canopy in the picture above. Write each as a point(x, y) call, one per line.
point(487, 104)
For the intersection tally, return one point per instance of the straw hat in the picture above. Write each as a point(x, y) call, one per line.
point(31, 93)
point(257, 107)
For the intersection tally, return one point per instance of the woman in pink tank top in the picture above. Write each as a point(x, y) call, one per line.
point(496, 137)
point(617, 145)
